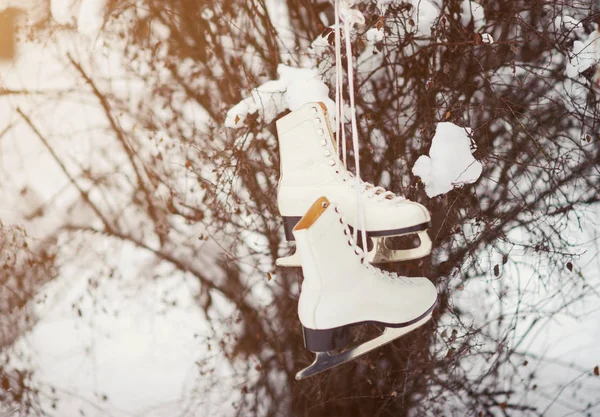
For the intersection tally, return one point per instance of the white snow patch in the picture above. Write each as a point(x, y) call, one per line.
point(450, 163)
point(62, 11)
point(487, 38)
point(472, 10)
point(91, 17)
point(295, 87)
point(427, 13)
point(370, 60)
point(207, 14)
point(424, 13)
point(374, 35)
point(382, 5)
point(286, 36)
point(350, 15)
point(132, 337)
point(321, 44)
point(584, 55)
point(567, 22)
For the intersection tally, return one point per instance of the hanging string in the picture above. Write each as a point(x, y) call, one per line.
point(349, 17)
point(339, 98)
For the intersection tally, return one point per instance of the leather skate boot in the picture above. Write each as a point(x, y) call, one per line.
point(341, 289)
point(311, 167)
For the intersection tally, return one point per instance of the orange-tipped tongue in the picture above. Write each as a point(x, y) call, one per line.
point(313, 213)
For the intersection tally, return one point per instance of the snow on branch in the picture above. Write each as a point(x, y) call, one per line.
point(295, 87)
point(450, 163)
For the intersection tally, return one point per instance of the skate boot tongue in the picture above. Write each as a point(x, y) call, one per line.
point(313, 213)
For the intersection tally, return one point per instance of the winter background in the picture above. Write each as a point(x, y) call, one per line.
point(107, 343)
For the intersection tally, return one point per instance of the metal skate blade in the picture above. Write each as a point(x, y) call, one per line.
point(381, 253)
point(325, 361)
point(292, 261)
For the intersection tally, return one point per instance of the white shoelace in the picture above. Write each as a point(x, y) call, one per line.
point(362, 254)
point(339, 99)
point(377, 192)
point(350, 17)
point(370, 190)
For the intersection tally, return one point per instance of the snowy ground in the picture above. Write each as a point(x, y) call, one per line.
point(565, 351)
point(131, 346)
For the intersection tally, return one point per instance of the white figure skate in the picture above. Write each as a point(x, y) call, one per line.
point(341, 290)
point(311, 167)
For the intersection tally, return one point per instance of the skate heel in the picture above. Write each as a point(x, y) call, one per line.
point(288, 225)
point(325, 340)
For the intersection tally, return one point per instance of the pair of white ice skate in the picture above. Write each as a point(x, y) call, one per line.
point(317, 198)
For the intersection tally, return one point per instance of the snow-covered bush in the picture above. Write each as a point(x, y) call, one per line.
point(153, 120)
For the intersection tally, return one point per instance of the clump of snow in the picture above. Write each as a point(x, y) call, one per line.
point(487, 38)
point(585, 54)
point(320, 45)
point(567, 22)
point(295, 87)
point(91, 17)
point(382, 5)
point(423, 13)
point(450, 163)
point(62, 11)
point(374, 35)
point(207, 14)
point(279, 14)
point(350, 15)
point(426, 14)
point(472, 10)
point(577, 93)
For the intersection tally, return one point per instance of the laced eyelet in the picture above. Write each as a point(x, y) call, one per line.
point(314, 109)
point(320, 132)
point(319, 121)
point(323, 142)
point(331, 162)
point(327, 153)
